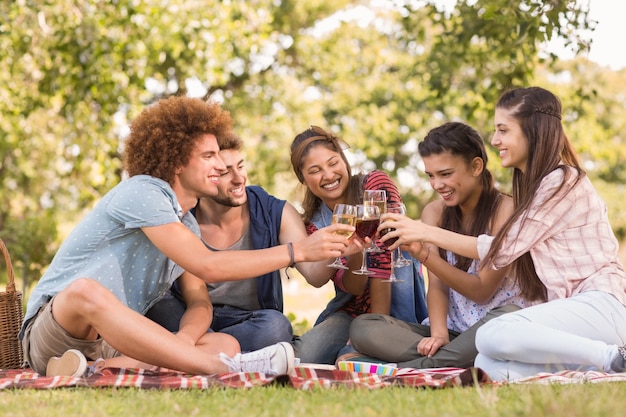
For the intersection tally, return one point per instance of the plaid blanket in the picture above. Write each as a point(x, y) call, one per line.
point(572, 377)
point(303, 378)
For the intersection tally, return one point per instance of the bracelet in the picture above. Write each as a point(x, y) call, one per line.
point(427, 254)
point(292, 258)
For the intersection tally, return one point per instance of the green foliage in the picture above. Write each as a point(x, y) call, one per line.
point(27, 242)
point(299, 327)
point(379, 74)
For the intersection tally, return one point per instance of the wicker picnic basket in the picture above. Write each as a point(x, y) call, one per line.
point(11, 316)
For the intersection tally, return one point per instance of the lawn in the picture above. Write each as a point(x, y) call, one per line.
point(604, 399)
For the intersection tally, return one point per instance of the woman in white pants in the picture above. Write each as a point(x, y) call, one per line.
point(559, 243)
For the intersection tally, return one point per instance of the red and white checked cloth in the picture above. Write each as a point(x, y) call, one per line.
point(303, 378)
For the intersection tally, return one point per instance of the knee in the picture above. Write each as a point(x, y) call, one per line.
point(363, 327)
point(227, 343)
point(491, 336)
point(369, 319)
point(217, 342)
point(87, 294)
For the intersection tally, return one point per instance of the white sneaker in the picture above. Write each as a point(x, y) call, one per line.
point(276, 359)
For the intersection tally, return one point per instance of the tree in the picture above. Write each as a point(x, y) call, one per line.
point(379, 74)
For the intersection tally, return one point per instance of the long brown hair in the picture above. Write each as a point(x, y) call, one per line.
point(300, 147)
point(463, 141)
point(538, 113)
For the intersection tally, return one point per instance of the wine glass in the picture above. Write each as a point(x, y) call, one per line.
point(344, 214)
point(400, 259)
point(367, 220)
point(375, 198)
point(399, 208)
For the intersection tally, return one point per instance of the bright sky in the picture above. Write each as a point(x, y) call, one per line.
point(607, 47)
point(610, 31)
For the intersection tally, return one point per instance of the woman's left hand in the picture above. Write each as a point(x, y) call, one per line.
point(428, 346)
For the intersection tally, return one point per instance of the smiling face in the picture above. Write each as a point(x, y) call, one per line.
point(200, 177)
point(510, 141)
point(325, 174)
point(232, 183)
point(457, 181)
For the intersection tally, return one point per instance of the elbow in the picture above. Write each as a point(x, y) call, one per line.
point(481, 300)
point(208, 274)
point(483, 297)
point(315, 283)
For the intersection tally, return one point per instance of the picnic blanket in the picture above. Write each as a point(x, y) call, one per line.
point(304, 378)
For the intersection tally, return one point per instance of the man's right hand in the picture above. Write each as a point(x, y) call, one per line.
point(326, 243)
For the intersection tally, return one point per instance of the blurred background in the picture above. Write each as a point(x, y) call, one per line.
point(379, 74)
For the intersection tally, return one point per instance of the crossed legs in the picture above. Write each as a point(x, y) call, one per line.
point(86, 311)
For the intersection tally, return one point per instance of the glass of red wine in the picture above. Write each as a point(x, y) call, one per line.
point(367, 220)
point(375, 198)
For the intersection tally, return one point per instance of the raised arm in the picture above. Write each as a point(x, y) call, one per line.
point(292, 229)
point(477, 288)
point(416, 231)
point(183, 247)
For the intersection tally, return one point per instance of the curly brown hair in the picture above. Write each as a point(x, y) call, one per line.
point(164, 134)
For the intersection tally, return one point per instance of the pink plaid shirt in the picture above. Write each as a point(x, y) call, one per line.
point(570, 240)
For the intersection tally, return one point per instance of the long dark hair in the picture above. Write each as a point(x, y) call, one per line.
point(538, 113)
point(300, 147)
point(461, 140)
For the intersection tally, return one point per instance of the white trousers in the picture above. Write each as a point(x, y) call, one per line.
point(580, 333)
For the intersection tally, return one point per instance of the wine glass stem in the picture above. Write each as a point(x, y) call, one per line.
point(363, 262)
point(392, 275)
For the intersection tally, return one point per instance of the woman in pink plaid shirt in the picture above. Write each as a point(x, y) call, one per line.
point(558, 242)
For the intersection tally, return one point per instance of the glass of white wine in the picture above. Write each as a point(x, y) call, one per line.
point(376, 198)
point(344, 214)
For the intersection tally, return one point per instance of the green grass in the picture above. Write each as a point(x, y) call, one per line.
point(605, 399)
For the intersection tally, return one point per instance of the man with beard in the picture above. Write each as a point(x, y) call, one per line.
point(243, 217)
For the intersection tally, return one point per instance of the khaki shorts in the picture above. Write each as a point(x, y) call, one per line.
point(45, 338)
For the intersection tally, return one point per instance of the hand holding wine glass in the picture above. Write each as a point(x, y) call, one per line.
point(398, 208)
point(344, 214)
point(367, 219)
